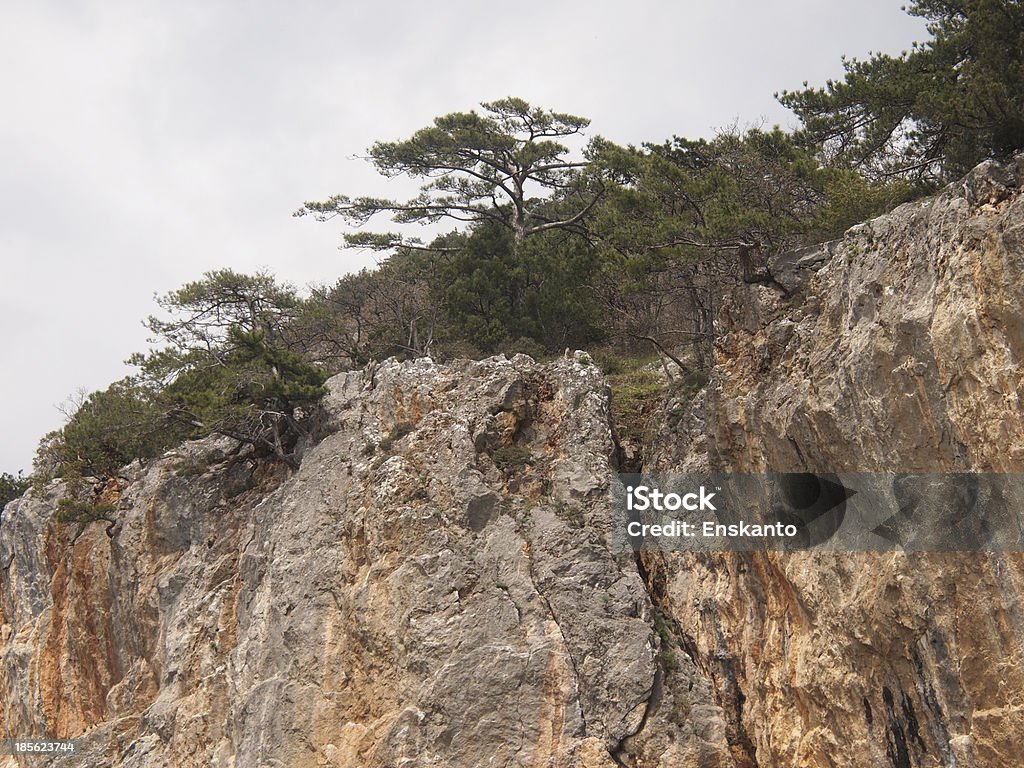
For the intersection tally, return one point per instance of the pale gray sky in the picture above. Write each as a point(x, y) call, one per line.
point(145, 143)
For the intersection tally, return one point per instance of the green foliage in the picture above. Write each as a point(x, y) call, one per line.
point(571, 513)
point(75, 511)
point(12, 487)
point(80, 503)
point(556, 254)
point(612, 362)
point(511, 458)
point(932, 113)
point(748, 193)
point(605, 249)
point(496, 293)
point(850, 198)
point(634, 396)
point(480, 168)
point(683, 219)
point(231, 366)
point(663, 626)
point(215, 315)
point(681, 708)
point(470, 293)
point(109, 429)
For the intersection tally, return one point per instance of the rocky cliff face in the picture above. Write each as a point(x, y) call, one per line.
point(435, 585)
point(896, 349)
point(432, 588)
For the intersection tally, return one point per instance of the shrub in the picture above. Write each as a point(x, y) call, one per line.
point(12, 487)
point(510, 458)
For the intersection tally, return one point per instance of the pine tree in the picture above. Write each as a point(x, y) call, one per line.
point(11, 487)
point(230, 367)
point(931, 113)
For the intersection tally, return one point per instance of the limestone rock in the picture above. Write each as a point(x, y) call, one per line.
point(903, 354)
point(435, 586)
point(403, 599)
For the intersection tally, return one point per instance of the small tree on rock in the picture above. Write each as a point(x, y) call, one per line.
point(12, 487)
point(229, 367)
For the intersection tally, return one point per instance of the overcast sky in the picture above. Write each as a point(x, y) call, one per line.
point(142, 144)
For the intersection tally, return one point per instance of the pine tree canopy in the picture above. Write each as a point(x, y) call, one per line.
point(502, 167)
point(931, 113)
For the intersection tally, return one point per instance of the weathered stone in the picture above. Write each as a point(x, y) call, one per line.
point(392, 602)
point(405, 599)
point(907, 357)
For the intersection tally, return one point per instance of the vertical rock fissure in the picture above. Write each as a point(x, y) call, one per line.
point(618, 752)
point(577, 679)
point(727, 692)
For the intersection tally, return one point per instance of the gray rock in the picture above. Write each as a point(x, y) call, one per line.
point(905, 356)
point(404, 599)
point(398, 600)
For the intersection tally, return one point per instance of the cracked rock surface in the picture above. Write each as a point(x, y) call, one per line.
point(895, 349)
point(433, 587)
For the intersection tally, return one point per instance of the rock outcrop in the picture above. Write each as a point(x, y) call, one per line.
point(435, 585)
point(896, 349)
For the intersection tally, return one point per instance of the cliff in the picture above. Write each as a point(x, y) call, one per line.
point(435, 585)
point(896, 349)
